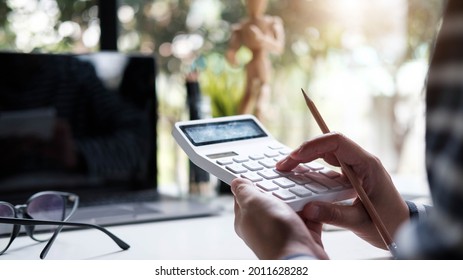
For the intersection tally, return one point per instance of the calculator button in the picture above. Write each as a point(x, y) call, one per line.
point(225, 161)
point(300, 191)
point(284, 183)
point(299, 179)
point(268, 174)
point(240, 159)
point(276, 147)
point(236, 168)
point(268, 162)
point(284, 194)
point(256, 156)
point(271, 154)
point(251, 176)
point(267, 185)
point(315, 165)
point(316, 187)
point(253, 166)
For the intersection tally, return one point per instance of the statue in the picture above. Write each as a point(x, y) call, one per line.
point(262, 34)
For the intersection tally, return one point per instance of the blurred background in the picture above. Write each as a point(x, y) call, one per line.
point(363, 62)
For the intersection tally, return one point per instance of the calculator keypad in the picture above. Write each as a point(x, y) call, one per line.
point(307, 180)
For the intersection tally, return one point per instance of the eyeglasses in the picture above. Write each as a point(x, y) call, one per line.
point(44, 215)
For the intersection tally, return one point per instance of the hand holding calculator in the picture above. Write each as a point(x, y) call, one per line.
point(239, 146)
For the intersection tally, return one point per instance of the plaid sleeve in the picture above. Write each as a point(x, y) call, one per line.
point(440, 235)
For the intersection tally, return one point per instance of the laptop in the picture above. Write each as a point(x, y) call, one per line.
point(85, 124)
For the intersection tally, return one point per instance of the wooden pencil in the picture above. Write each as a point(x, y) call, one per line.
point(347, 170)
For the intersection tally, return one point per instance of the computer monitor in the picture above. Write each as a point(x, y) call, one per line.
point(80, 123)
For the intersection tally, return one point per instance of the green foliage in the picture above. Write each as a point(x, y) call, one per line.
point(223, 84)
point(42, 38)
point(313, 26)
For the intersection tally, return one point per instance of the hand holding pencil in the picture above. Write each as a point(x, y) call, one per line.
point(379, 210)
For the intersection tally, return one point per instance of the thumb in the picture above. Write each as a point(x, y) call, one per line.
point(346, 216)
point(242, 188)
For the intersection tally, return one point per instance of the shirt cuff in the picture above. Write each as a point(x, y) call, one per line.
point(417, 211)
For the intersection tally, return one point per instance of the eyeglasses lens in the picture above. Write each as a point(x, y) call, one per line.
point(46, 207)
point(6, 230)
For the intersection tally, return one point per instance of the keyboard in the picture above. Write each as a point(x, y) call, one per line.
point(307, 182)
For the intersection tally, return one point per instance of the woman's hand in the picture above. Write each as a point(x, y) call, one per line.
point(373, 177)
point(270, 227)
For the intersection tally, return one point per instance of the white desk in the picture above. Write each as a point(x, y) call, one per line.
point(207, 238)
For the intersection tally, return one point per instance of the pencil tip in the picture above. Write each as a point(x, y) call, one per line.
point(305, 95)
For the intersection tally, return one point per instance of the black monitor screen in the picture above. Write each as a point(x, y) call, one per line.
point(68, 121)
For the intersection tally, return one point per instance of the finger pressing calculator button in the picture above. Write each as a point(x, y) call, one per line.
point(236, 168)
point(284, 173)
point(284, 194)
point(267, 186)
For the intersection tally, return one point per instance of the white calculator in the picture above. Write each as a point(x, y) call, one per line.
point(239, 146)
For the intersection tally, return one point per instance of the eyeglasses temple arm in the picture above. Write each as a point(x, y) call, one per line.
point(50, 242)
point(27, 222)
point(75, 199)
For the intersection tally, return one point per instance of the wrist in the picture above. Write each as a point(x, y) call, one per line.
point(299, 256)
point(302, 251)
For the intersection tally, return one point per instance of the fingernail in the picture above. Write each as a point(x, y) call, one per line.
point(236, 187)
point(283, 161)
point(233, 188)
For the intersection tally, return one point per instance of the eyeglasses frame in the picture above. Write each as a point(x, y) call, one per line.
point(29, 222)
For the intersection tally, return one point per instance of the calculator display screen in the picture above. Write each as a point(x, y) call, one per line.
point(220, 132)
